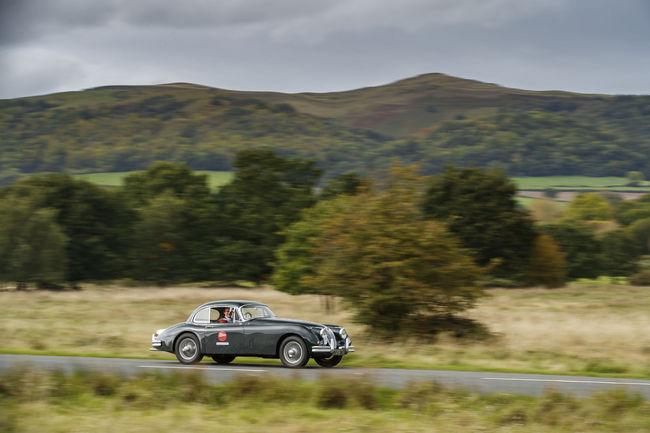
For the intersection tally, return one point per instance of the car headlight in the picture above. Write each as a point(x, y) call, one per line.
point(343, 334)
point(323, 334)
point(157, 332)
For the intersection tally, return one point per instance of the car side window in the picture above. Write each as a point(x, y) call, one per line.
point(202, 316)
point(215, 315)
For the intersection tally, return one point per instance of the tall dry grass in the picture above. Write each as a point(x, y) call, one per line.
point(588, 329)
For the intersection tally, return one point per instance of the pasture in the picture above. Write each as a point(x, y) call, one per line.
point(216, 179)
point(581, 329)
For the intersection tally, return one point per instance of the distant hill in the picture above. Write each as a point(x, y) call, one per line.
point(433, 119)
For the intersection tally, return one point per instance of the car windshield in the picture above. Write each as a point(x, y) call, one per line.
point(256, 311)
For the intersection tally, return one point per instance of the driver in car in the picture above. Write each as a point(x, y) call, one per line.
point(227, 316)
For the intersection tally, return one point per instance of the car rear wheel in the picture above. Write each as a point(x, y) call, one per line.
point(188, 350)
point(293, 352)
point(223, 359)
point(330, 361)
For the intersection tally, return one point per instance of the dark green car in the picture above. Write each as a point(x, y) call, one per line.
point(224, 330)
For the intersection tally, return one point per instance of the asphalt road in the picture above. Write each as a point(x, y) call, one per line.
point(482, 382)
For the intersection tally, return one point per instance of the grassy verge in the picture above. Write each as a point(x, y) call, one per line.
point(31, 399)
point(598, 330)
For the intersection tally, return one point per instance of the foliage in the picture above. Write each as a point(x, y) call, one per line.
point(620, 253)
point(294, 261)
point(32, 244)
point(160, 250)
point(479, 207)
point(528, 143)
point(266, 194)
point(400, 272)
point(634, 178)
point(547, 264)
point(639, 231)
point(94, 221)
point(344, 184)
point(581, 247)
point(589, 207)
point(124, 128)
point(629, 211)
point(161, 177)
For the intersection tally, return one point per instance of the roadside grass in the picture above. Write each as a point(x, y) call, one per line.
point(216, 179)
point(585, 328)
point(84, 401)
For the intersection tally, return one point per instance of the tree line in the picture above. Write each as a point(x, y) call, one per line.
point(411, 251)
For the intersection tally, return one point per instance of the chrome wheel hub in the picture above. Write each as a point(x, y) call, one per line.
point(188, 348)
point(293, 352)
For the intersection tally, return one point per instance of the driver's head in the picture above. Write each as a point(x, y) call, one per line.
point(226, 311)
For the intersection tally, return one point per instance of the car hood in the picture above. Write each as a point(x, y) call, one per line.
point(282, 321)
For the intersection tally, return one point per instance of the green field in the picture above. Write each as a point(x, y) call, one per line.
point(579, 183)
point(215, 178)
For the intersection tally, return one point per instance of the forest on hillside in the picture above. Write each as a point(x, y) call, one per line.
point(122, 128)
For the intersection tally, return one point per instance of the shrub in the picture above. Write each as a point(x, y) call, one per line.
point(641, 278)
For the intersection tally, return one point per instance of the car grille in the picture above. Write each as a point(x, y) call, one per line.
point(331, 338)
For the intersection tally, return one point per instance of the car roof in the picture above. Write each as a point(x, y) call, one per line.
point(234, 303)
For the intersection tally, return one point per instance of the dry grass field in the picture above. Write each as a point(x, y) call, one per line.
point(582, 329)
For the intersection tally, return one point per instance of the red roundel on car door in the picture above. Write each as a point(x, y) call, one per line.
point(222, 335)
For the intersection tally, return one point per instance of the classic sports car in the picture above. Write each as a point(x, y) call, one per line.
point(226, 329)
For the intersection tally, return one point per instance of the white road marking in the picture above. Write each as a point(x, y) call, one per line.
point(203, 368)
point(599, 382)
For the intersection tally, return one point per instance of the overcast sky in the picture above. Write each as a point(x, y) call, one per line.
point(598, 46)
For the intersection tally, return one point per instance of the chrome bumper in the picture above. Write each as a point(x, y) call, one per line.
point(155, 343)
point(333, 350)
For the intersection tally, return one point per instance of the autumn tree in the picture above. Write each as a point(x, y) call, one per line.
point(582, 248)
point(546, 265)
point(401, 272)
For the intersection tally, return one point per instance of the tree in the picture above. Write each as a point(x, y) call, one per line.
point(94, 220)
point(634, 178)
point(294, 260)
point(582, 248)
point(620, 252)
point(32, 244)
point(266, 194)
point(479, 207)
point(402, 273)
point(344, 184)
point(160, 252)
point(160, 177)
point(629, 211)
point(639, 231)
point(589, 207)
point(546, 266)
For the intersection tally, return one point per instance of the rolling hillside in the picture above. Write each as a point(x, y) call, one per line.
point(433, 119)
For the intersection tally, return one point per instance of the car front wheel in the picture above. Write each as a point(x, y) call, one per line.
point(223, 359)
point(328, 362)
point(188, 350)
point(293, 352)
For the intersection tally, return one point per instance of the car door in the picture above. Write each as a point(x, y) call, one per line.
point(223, 338)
